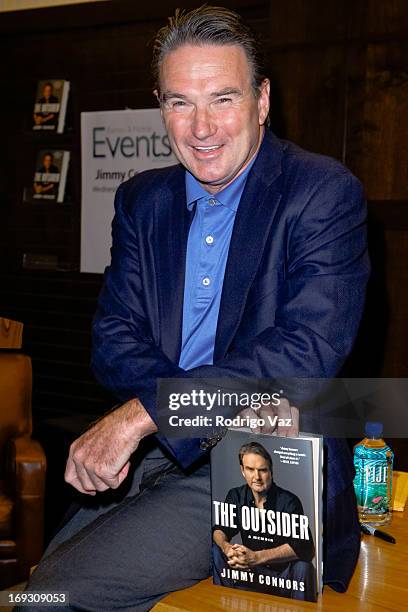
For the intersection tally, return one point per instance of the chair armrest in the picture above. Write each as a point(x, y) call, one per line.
point(26, 478)
point(26, 467)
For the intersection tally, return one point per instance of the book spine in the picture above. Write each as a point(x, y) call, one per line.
point(63, 176)
point(63, 107)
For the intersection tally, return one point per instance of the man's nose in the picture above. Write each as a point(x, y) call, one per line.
point(203, 125)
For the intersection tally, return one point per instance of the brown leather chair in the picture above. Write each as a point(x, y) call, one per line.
point(22, 464)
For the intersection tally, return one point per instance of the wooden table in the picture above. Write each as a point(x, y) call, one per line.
point(380, 582)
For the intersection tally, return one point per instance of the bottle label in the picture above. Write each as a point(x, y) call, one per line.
point(371, 485)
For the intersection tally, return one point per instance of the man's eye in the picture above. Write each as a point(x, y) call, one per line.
point(178, 105)
point(223, 100)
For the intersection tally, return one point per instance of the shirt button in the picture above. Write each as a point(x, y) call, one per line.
point(206, 281)
point(212, 202)
point(209, 239)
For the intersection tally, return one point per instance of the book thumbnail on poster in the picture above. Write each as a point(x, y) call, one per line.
point(50, 175)
point(50, 105)
point(267, 514)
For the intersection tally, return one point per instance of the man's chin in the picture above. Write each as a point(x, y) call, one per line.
point(211, 180)
point(211, 177)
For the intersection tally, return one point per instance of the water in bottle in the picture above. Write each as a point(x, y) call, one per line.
point(373, 481)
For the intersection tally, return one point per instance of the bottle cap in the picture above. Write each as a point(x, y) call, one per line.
point(373, 429)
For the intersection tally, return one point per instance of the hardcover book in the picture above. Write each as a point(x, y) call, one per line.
point(51, 105)
point(267, 513)
point(50, 175)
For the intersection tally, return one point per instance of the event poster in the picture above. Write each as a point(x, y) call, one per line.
point(115, 146)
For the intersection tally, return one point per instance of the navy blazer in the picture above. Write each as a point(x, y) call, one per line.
point(292, 296)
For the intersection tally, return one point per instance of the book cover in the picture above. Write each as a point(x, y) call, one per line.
point(50, 175)
point(51, 105)
point(267, 514)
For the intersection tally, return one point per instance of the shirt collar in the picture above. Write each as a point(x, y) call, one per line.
point(229, 197)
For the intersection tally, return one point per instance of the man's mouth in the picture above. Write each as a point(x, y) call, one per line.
point(208, 149)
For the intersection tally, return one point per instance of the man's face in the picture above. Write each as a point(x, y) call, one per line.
point(257, 473)
point(47, 161)
point(211, 114)
point(47, 91)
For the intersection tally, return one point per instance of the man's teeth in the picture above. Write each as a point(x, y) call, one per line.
point(208, 148)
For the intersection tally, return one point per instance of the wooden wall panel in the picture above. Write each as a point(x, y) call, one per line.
point(381, 348)
point(298, 22)
point(307, 101)
point(371, 18)
point(377, 123)
point(395, 358)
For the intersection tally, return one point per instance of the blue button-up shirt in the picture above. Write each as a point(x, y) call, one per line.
point(207, 251)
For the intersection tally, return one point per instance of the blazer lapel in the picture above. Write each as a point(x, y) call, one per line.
point(252, 224)
point(172, 224)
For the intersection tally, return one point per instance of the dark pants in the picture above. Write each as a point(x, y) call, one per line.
point(130, 554)
point(293, 574)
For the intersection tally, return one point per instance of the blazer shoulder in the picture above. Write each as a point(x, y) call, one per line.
point(147, 185)
point(312, 167)
point(317, 183)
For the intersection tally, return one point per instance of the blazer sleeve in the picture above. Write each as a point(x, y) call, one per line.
point(125, 359)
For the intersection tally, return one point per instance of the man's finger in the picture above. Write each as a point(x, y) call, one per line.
point(83, 476)
point(238, 565)
point(268, 414)
point(240, 548)
point(90, 479)
point(290, 428)
point(294, 431)
point(251, 415)
point(71, 477)
point(113, 481)
point(123, 472)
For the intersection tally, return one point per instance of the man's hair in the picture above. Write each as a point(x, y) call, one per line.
point(208, 25)
point(256, 449)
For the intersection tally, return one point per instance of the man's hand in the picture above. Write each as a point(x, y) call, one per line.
point(241, 557)
point(99, 459)
point(228, 549)
point(280, 420)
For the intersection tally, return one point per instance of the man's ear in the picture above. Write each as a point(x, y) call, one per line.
point(263, 101)
point(157, 94)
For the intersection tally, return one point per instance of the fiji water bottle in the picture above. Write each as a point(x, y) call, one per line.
point(373, 462)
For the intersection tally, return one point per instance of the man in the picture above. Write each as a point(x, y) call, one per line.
point(285, 557)
point(247, 259)
point(47, 101)
point(47, 176)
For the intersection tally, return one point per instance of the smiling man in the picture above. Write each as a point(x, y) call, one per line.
point(213, 113)
point(248, 259)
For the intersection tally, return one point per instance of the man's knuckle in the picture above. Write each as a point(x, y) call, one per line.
point(103, 472)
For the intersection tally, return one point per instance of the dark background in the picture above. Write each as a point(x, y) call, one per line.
point(339, 87)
